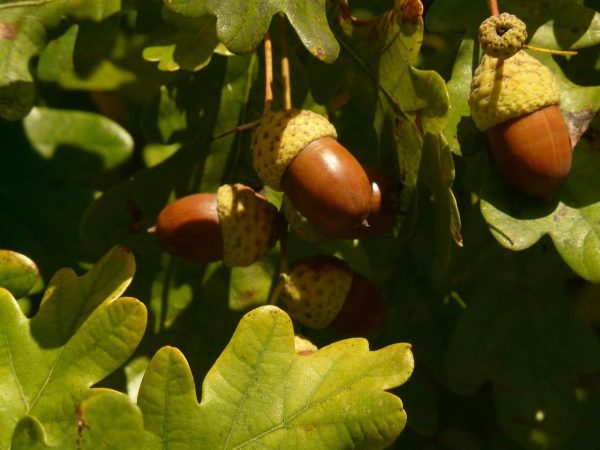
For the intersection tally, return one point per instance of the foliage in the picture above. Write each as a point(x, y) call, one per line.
point(109, 108)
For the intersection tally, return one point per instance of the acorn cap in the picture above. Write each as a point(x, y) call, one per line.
point(502, 36)
point(279, 136)
point(315, 290)
point(504, 89)
point(248, 224)
point(300, 224)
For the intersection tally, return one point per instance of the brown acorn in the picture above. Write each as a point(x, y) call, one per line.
point(533, 152)
point(323, 290)
point(385, 199)
point(236, 225)
point(296, 152)
point(382, 211)
point(189, 228)
point(515, 99)
point(363, 311)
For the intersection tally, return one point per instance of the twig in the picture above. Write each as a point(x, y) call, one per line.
point(493, 4)
point(268, 73)
point(277, 291)
point(243, 127)
point(285, 67)
point(547, 50)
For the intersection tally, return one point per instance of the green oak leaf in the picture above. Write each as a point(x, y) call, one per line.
point(189, 48)
point(519, 335)
point(18, 273)
point(23, 28)
point(241, 25)
point(260, 393)
point(529, 344)
point(49, 129)
point(106, 419)
point(572, 221)
point(438, 175)
point(82, 332)
point(560, 24)
point(56, 64)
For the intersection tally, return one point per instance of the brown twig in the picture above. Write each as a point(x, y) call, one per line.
point(493, 4)
point(285, 67)
point(243, 127)
point(278, 289)
point(268, 73)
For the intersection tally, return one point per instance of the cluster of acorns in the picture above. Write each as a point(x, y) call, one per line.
point(327, 194)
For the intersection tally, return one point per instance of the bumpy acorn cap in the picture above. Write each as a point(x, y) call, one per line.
point(315, 290)
point(300, 224)
point(505, 88)
point(248, 224)
point(502, 36)
point(279, 136)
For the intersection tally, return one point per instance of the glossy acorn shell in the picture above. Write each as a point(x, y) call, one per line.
point(189, 228)
point(384, 202)
point(363, 311)
point(329, 187)
point(533, 152)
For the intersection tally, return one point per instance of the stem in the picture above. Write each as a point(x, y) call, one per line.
point(277, 291)
point(547, 50)
point(243, 127)
point(285, 68)
point(24, 4)
point(493, 4)
point(268, 73)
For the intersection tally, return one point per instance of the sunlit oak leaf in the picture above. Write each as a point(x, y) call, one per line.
point(18, 273)
point(106, 420)
point(82, 332)
point(261, 394)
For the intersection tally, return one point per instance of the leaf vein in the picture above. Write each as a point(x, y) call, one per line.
point(14, 372)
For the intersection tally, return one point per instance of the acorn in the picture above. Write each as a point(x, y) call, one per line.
point(382, 211)
point(319, 290)
point(363, 311)
point(385, 199)
point(234, 224)
point(515, 99)
point(296, 152)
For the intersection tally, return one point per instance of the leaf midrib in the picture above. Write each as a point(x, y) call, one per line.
point(246, 395)
point(47, 380)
